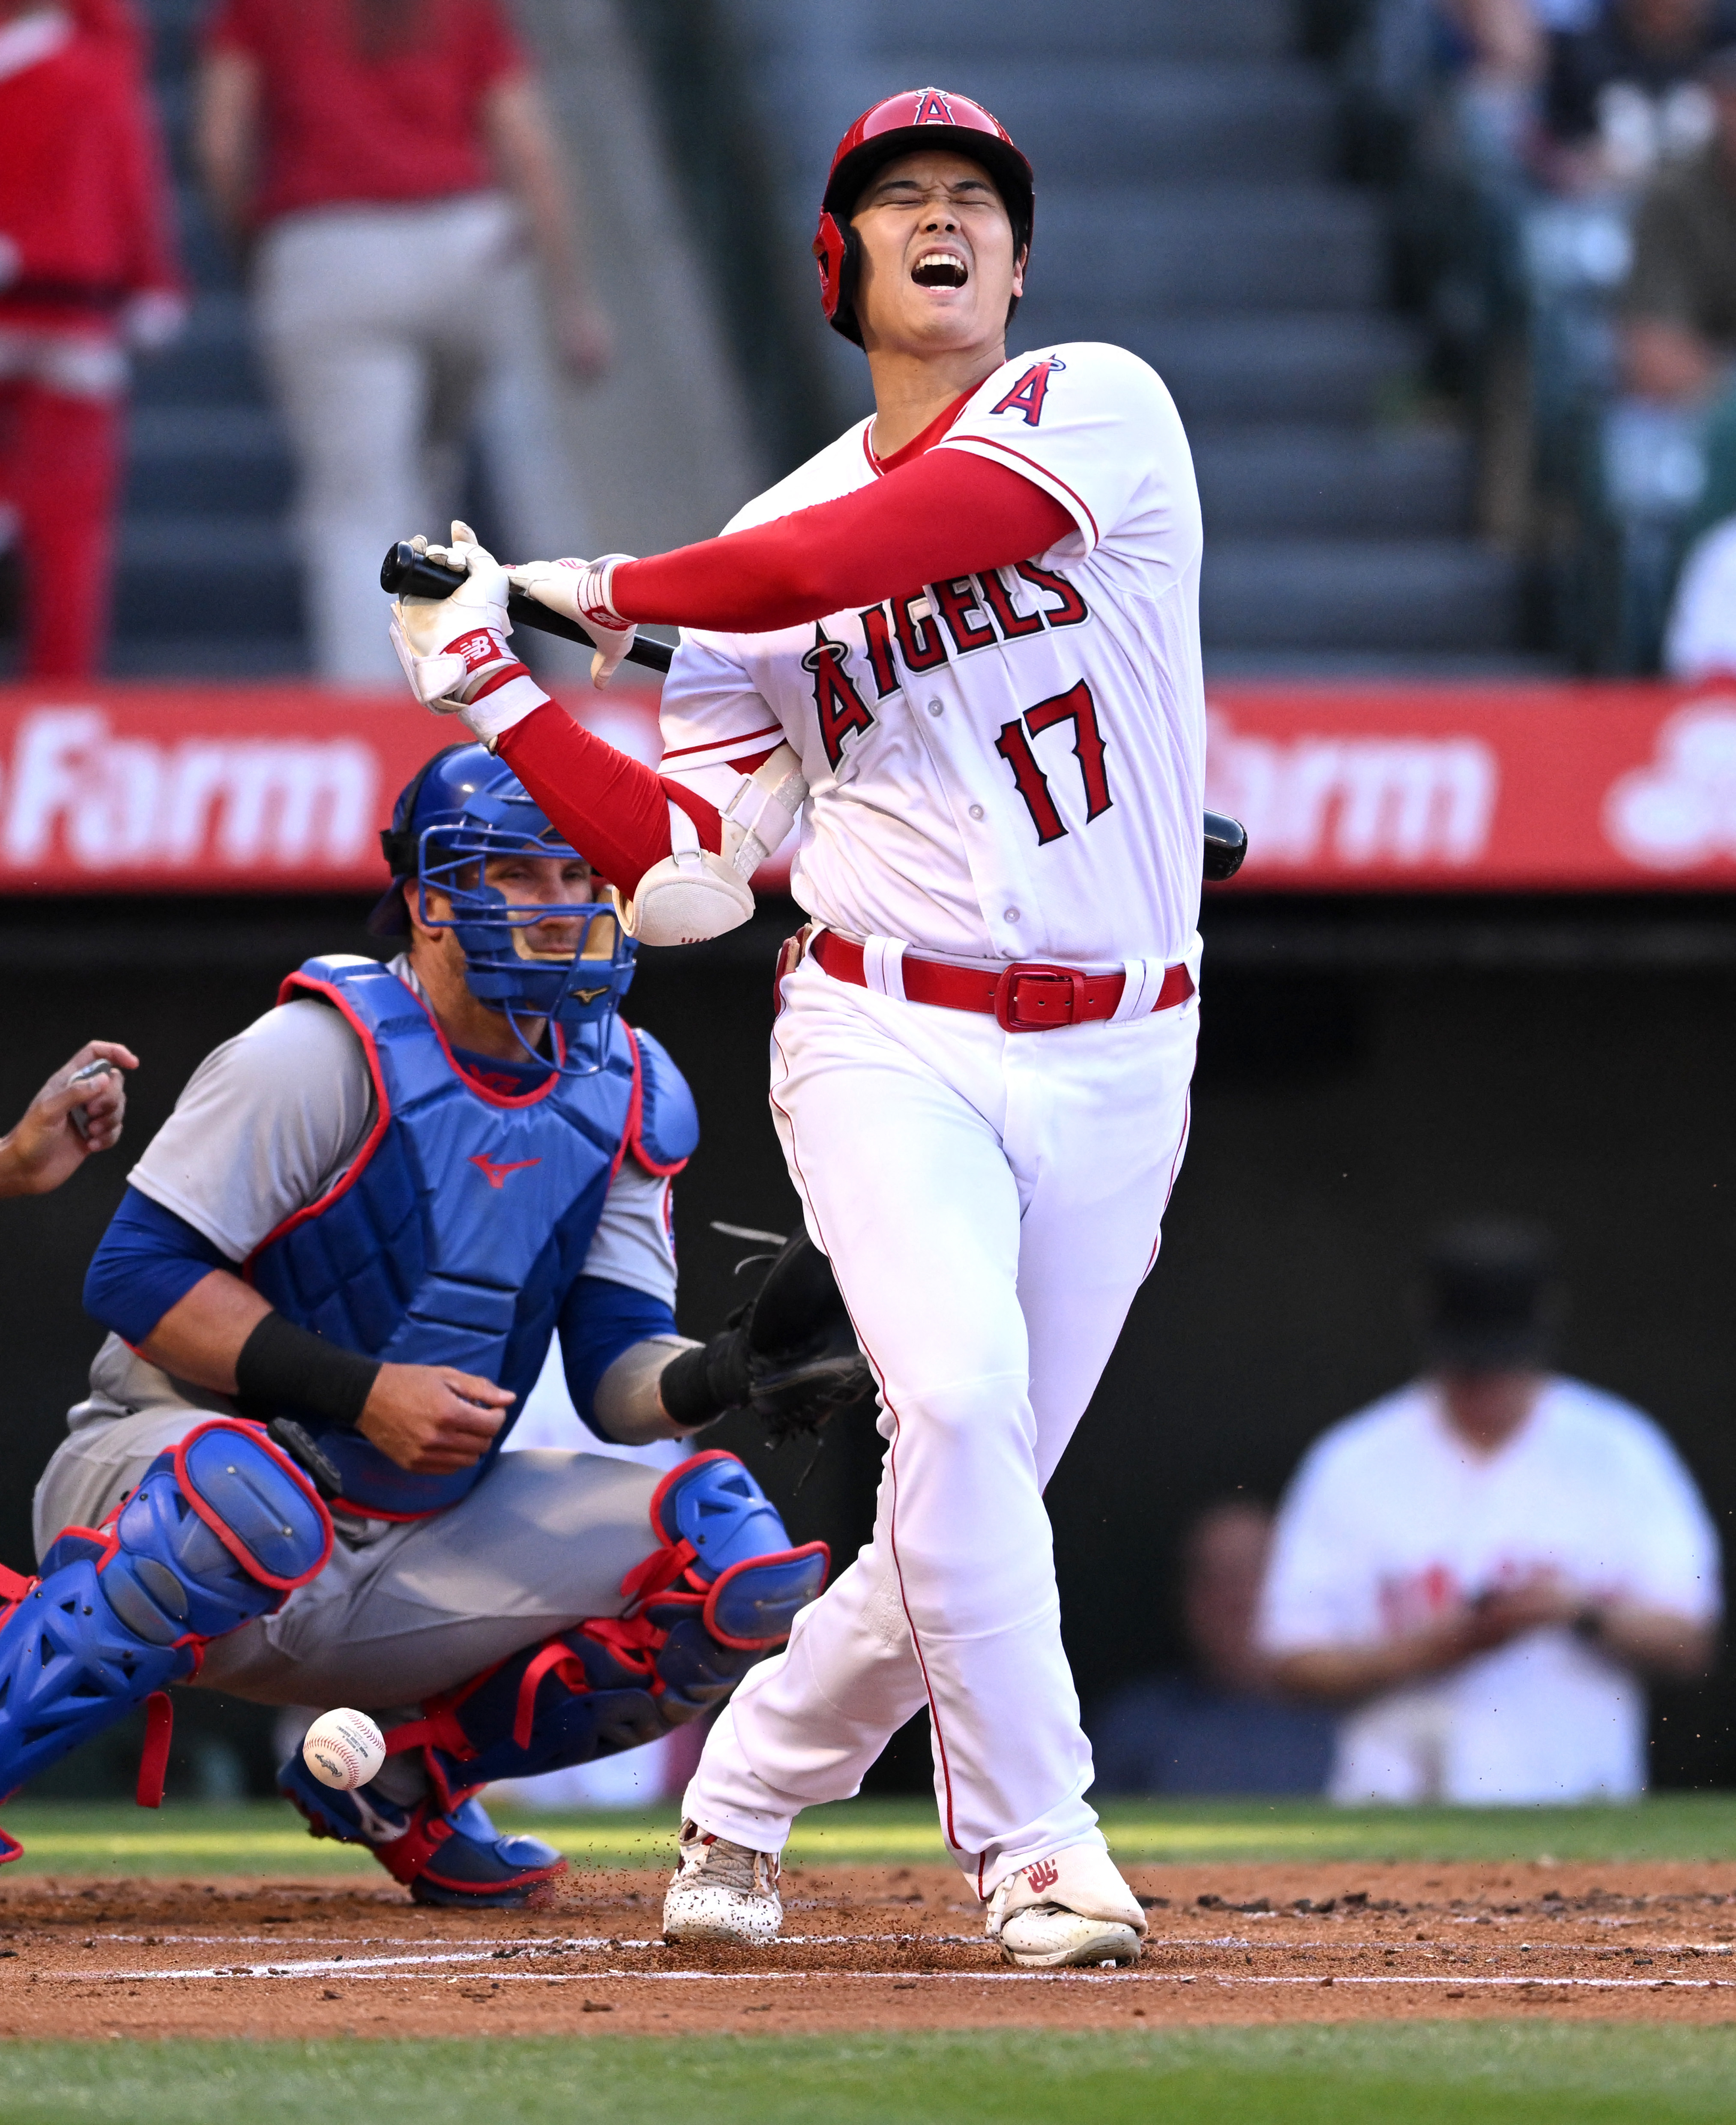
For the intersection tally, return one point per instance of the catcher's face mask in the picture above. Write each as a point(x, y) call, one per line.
point(489, 867)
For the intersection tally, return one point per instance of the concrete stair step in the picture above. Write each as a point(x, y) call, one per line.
point(1359, 594)
point(1270, 480)
point(1126, 120)
point(966, 31)
point(210, 364)
point(1222, 247)
point(206, 257)
point(208, 656)
point(196, 578)
point(185, 459)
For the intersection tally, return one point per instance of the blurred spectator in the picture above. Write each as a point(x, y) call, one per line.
point(1679, 306)
point(1501, 47)
point(1484, 1564)
point(387, 161)
point(74, 1117)
point(87, 267)
point(1220, 1728)
point(1672, 358)
point(1623, 94)
point(1701, 640)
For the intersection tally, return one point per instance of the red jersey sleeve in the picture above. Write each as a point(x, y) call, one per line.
point(943, 516)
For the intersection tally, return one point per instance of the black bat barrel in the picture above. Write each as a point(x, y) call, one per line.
point(1226, 844)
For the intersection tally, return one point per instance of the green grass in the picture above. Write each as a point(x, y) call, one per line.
point(266, 1838)
point(1424, 2073)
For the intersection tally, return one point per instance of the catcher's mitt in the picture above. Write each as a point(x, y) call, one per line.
point(789, 1354)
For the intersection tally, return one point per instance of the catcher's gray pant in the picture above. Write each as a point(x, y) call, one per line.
point(401, 1612)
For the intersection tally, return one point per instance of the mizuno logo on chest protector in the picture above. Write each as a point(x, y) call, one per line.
point(496, 1175)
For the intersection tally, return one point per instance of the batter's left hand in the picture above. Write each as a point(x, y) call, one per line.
point(581, 591)
point(46, 1148)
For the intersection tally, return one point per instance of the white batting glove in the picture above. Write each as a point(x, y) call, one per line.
point(579, 590)
point(454, 649)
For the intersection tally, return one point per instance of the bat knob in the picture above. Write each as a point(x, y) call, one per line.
point(396, 568)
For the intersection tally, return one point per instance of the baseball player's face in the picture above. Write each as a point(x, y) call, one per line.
point(524, 881)
point(938, 269)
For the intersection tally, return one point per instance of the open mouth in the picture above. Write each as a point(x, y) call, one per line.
point(940, 269)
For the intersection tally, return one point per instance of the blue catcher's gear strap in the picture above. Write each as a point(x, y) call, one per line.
point(691, 1631)
point(218, 1531)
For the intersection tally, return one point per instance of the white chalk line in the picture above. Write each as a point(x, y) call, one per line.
point(372, 1974)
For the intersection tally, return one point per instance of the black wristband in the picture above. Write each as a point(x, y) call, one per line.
point(701, 1383)
point(280, 1363)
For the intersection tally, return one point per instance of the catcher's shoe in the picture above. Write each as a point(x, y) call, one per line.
point(1071, 1907)
point(456, 1858)
point(722, 1891)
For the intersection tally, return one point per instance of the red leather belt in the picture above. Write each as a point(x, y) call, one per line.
point(1027, 996)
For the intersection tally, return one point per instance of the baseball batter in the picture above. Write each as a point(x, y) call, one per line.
point(957, 654)
point(365, 1223)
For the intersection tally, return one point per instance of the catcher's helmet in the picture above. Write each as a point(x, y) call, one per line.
point(459, 808)
point(895, 126)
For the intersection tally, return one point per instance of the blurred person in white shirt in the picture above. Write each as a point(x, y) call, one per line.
point(1483, 1567)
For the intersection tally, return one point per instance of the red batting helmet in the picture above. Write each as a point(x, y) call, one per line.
point(894, 127)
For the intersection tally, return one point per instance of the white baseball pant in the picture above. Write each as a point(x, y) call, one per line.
point(990, 1203)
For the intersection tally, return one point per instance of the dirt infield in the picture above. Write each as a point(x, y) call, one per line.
point(869, 1947)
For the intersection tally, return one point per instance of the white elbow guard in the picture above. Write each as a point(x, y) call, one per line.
point(688, 897)
point(762, 811)
point(693, 894)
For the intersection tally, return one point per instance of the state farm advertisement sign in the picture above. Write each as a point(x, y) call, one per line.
point(1596, 787)
point(277, 789)
point(268, 788)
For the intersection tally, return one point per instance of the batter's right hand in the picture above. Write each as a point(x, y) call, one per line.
point(433, 1419)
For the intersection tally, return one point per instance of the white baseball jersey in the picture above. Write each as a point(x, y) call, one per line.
point(1393, 1517)
point(1008, 767)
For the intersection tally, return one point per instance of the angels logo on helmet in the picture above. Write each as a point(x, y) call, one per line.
point(897, 125)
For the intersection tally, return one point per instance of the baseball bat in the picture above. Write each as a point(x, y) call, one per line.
point(405, 573)
point(1226, 844)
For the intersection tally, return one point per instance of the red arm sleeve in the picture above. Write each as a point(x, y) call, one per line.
point(948, 514)
point(612, 808)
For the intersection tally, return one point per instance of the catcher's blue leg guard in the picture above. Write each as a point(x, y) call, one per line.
point(221, 1529)
point(442, 1855)
point(722, 1588)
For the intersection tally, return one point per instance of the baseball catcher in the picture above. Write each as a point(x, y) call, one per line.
point(334, 1276)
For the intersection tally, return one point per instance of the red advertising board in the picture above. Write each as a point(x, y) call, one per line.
point(1548, 787)
point(220, 789)
point(1343, 788)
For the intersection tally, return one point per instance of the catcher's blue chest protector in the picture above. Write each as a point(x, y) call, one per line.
point(456, 1234)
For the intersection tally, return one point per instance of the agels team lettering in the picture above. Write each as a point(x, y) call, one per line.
point(927, 628)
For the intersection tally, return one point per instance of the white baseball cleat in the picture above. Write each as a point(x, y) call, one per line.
point(722, 1891)
point(1071, 1907)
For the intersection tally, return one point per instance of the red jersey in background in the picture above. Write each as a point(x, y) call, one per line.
point(84, 215)
point(369, 102)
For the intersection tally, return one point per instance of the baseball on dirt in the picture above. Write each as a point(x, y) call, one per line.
point(343, 1748)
